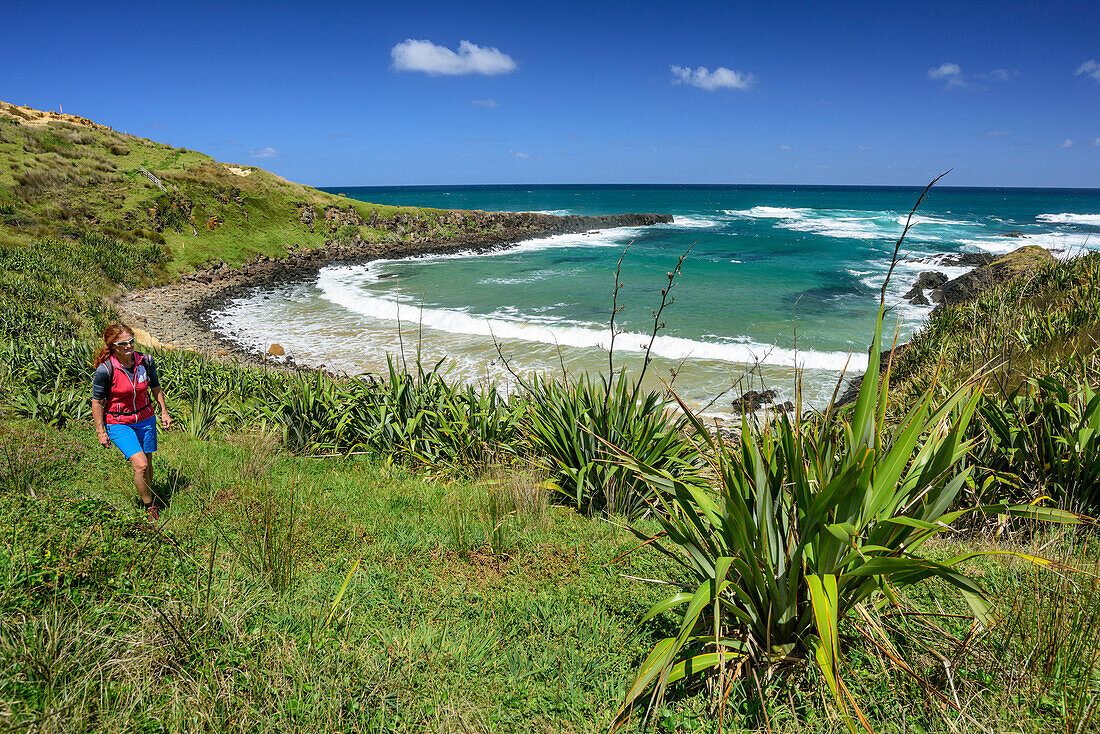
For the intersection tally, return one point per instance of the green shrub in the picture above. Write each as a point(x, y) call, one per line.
point(810, 519)
point(426, 420)
point(54, 407)
point(1043, 439)
point(308, 410)
point(573, 425)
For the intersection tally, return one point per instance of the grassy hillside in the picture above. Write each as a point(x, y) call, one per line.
point(73, 193)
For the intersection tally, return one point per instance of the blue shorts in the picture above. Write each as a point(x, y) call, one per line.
point(134, 437)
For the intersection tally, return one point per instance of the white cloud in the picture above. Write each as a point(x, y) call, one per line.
point(720, 78)
point(518, 154)
point(945, 70)
point(425, 56)
point(1091, 69)
point(1002, 75)
point(1096, 141)
point(783, 146)
point(998, 133)
point(267, 152)
point(949, 72)
point(1067, 143)
point(484, 103)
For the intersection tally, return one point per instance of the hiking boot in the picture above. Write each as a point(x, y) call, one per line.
point(151, 512)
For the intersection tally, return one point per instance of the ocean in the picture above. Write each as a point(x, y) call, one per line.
point(778, 289)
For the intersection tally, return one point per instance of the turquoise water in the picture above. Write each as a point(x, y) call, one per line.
point(776, 277)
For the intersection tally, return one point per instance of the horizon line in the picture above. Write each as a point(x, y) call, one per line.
point(700, 185)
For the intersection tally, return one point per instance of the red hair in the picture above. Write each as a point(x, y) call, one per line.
point(110, 334)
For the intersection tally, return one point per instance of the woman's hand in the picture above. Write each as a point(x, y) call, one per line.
point(104, 441)
point(165, 419)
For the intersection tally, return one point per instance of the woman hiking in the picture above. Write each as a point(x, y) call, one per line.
point(124, 387)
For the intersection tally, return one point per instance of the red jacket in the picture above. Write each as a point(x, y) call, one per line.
point(128, 401)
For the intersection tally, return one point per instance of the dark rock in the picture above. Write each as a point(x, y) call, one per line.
point(753, 399)
point(1013, 234)
point(916, 297)
point(1000, 269)
point(307, 215)
point(852, 391)
point(931, 279)
point(337, 217)
point(967, 259)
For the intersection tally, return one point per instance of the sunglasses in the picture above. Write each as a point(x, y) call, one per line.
point(128, 343)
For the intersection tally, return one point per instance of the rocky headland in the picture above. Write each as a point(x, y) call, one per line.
point(933, 287)
point(988, 271)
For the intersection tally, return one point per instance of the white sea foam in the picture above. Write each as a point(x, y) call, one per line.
point(918, 219)
point(844, 224)
point(854, 228)
point(533, 277)
point(682, 222)
point(555, 212)
point(337, 291)
point(511, 281)
point(1092, 220)
point(616, 237)
point(1065, 241)
point(768, 212)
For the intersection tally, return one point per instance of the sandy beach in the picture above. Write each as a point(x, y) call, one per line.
point(174, 316)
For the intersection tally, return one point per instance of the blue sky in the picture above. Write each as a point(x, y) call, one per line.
point(1005, 93)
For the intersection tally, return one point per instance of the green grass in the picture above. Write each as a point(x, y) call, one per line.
point(542, 630)
point(109, 625)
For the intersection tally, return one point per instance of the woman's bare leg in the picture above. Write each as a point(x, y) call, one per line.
point(149, 474)
point(143, 474)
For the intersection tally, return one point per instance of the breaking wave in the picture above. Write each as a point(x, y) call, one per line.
point(342, 292)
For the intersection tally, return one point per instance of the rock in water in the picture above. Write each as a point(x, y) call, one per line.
point(928, 280)
point(753, 399)
point(276, 350)
point(917, 298)
point(931, 279)
point(967, 259)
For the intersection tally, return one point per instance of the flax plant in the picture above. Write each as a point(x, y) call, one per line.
point(809, 519)
point(572, 424)
point(1044, 438)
